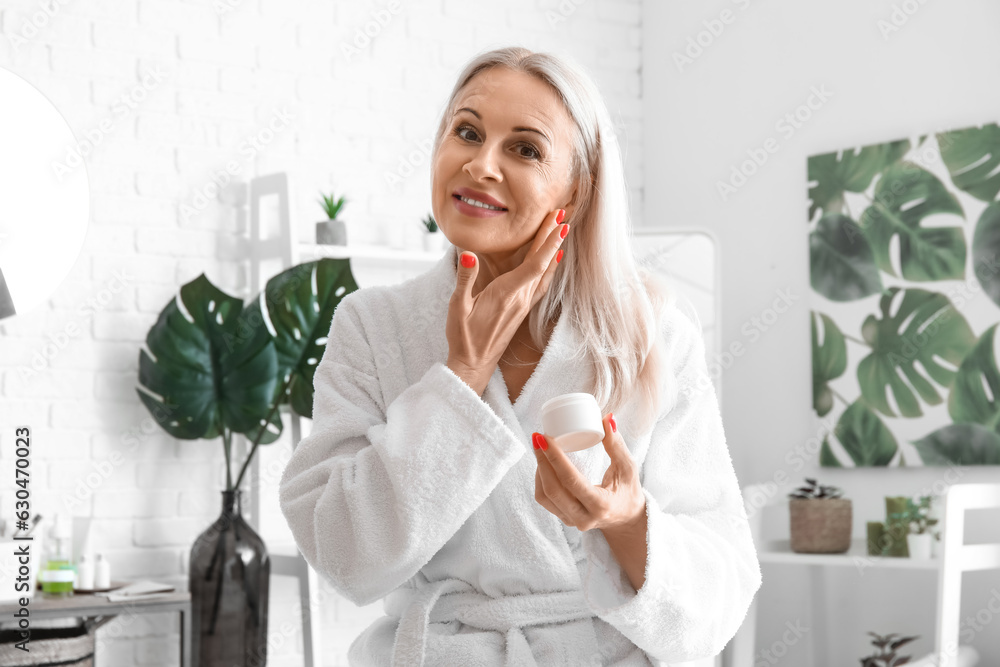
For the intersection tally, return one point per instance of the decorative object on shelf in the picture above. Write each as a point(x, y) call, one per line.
point(896, 530)
point(916, 516)
point(331, 231)
point(434, 239)
point(876, 537)
point(887, 239)
point(885, 655)
point(820, 519)
point(214, 369)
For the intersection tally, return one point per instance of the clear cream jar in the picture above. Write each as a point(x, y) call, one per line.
point(574, 421)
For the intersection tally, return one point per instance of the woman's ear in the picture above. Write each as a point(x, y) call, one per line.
point(570, 206)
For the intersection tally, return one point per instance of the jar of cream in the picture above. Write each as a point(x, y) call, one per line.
point(574, 421)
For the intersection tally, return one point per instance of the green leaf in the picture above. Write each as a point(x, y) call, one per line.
point(926, 327)
point(969, 401)
point(851, 170)
point(841, 263)
point(960, 444)
point(829, 361)
point(827, 459)
point(867, 440)
point(299, 308)
point(985, 245)
point(905, 196)
point(972, 156)
point(204, 376)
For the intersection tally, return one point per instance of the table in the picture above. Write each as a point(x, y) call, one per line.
point(98, 607)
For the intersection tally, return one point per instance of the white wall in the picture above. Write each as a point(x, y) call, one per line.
point(936, 72)
point(230, 69)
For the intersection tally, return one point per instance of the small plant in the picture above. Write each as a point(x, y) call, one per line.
point(430, 223)
point(815, 490)
point(916, 515)
point(331, 206)
point(886, 656)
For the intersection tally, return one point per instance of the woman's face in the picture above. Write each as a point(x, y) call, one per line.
point(510, 139)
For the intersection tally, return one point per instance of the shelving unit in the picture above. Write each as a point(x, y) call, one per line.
point(954, 558)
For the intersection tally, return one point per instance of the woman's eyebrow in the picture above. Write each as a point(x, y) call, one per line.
point(515, 129)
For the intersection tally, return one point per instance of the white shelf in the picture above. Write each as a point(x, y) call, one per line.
point(311, 251)
point(780, 551)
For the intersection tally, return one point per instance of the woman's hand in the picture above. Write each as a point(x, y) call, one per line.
point(617, 505)
point(479, 328)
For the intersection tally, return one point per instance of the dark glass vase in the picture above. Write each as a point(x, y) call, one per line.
point(228, 576)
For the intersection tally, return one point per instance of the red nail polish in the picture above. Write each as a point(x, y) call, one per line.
point(539, 441)
point(614, 426)
point(564, 231)
point(560, 215)
point(534, 440)
point(468, 261)
point(559, 256)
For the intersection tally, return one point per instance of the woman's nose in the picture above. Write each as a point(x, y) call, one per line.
point(483, 165)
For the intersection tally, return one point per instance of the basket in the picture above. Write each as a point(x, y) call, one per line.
point(49, 647)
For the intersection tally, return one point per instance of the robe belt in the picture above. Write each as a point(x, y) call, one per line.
point(454, 600)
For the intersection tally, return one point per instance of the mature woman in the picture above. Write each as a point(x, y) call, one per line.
point(425, 481)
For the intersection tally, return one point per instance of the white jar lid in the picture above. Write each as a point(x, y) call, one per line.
point(566, 399)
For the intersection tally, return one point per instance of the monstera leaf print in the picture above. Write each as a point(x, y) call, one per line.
point(925, 328)
point(970, 402)
point(865, 438)
point(960, 444)
point(905, 196)
point(986, 252)
point(972, 156)
point(841, 263)
point(829, 361)
point(832, 174)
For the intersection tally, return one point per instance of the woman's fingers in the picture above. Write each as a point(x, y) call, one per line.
point(562, 487)
point(543, 499)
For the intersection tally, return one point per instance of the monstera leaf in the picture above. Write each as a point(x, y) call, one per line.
point(926, 327)
point(827, 459)
point(841, 263)
point(973, 159)
point(848, 171)
point(986, 251)
point(865, 438)
point(969, 401)
point(298, 304)
point(829, 362)
point(904, 196)
point(960, 444)
point(201, 377)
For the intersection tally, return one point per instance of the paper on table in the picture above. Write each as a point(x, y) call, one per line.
point(137, 591)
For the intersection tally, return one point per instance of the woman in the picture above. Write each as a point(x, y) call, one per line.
point(416, 484)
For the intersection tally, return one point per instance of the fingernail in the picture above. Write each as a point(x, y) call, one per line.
point(468, 261)
point(564, 231)
point(614, 426)
point(559, 255)
point(560, 215)
point(539, 441)
point(534, 440)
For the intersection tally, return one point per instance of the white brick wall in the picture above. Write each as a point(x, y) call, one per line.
point(69, 369)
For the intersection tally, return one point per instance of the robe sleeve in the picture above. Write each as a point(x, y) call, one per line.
point(375, 491)
point(702, 569)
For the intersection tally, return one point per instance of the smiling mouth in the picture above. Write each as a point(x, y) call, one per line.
point(479, 204)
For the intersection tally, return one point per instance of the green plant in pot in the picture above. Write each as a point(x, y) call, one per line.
point(916, 517)
point(885, 654)
point(820, 519)
point(331, 231)
point(433, 238)
point(214, 369)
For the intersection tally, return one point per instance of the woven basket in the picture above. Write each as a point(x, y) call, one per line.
point(820, 525)
point(52, 647)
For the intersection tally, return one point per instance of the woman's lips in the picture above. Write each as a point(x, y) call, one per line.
point(474, 211)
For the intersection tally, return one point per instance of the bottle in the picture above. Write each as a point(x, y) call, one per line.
point(58, 574)
point(102, 573)
point(85, 573)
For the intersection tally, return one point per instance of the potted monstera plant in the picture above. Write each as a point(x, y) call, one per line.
point(820, 519)
point(212, 370)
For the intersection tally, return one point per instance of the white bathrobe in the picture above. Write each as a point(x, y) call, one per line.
point(414, 489)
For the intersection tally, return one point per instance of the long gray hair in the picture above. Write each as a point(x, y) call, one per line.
point(613, 303)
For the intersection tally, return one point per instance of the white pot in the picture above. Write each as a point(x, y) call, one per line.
point(919, 545)
point(434, 241)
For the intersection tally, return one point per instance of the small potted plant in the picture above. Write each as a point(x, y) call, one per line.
point(916, 515)
point(885, 655)
point(331, 231)
point(820, 519)
point(433, 238)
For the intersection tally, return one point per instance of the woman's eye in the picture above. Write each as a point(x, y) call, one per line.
point(534, 153)
point(462, 128)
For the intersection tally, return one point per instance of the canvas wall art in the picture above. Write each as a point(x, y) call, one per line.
point(904, 238)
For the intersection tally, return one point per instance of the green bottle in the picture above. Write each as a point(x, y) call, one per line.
point(58, 574)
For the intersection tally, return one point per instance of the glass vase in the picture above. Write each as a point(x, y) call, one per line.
point(228, 577)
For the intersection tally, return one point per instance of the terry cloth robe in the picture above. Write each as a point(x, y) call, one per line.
point(413, 488)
